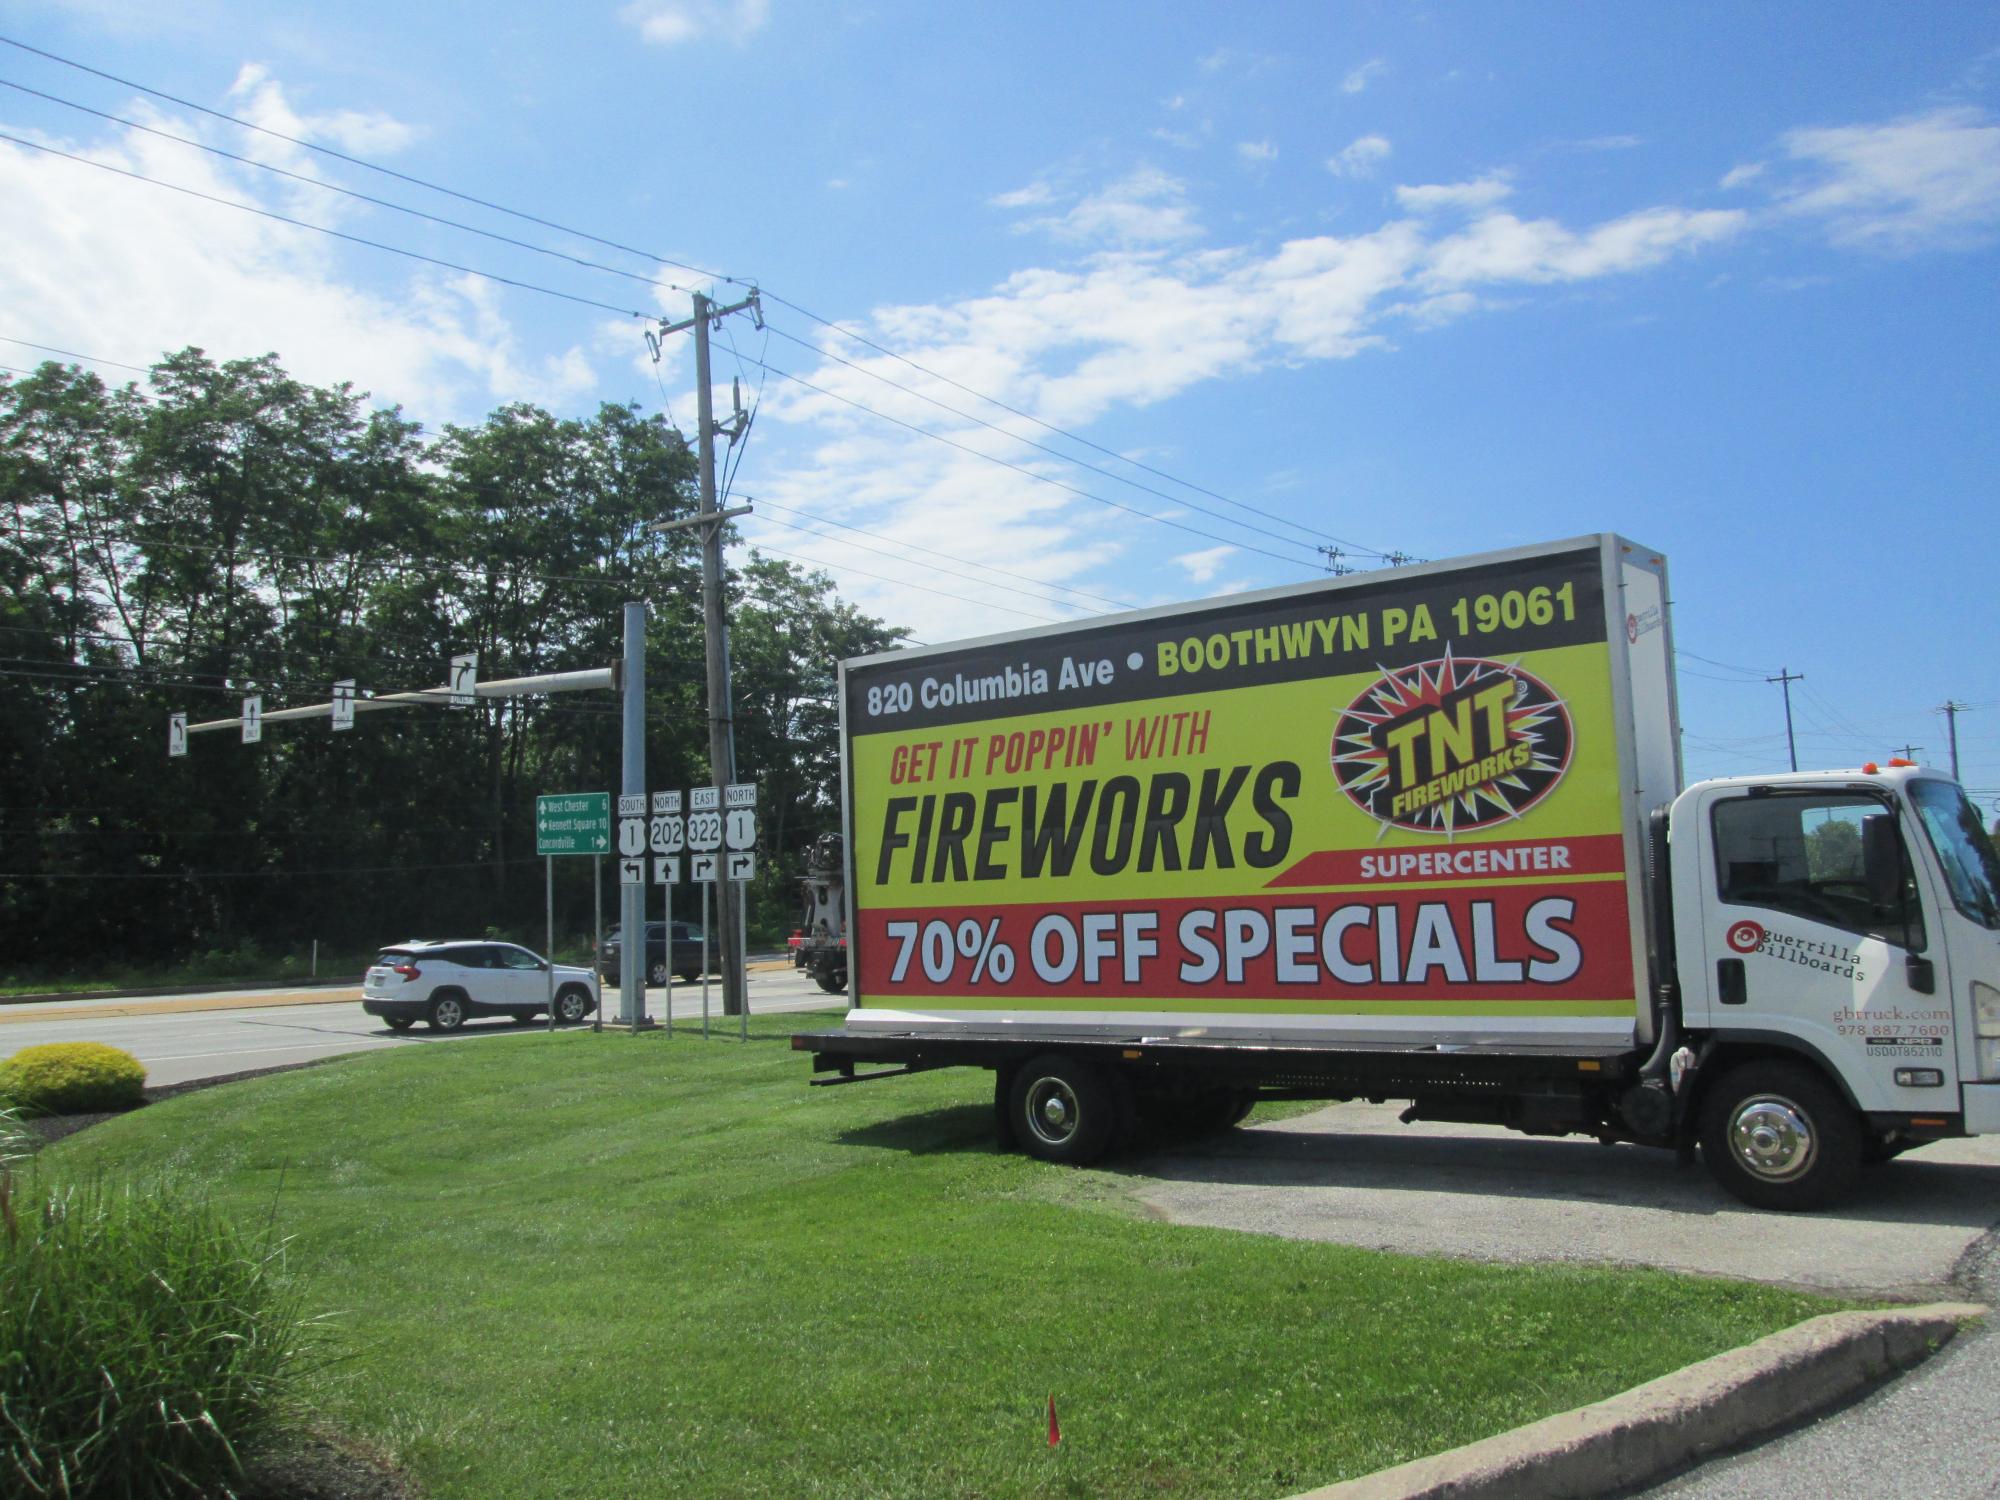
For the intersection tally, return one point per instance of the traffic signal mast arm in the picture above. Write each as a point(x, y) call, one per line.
point(506, 687)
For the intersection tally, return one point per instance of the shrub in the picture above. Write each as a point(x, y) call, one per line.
point(72, 1078)
point(144, 1343)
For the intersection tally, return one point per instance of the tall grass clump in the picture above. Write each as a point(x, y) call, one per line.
point(145, 1342)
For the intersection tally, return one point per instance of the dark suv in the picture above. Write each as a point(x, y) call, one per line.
point(684, 961)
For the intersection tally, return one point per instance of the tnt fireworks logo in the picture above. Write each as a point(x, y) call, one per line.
point(1451, 745)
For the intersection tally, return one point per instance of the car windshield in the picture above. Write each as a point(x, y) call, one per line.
point(1971, 868)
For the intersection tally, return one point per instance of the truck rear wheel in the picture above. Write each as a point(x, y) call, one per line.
point(1063, 1109)
point(1777, 1136)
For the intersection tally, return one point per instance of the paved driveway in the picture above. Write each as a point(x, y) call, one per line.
point(1354, 1175)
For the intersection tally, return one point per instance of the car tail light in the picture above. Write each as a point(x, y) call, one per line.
point(408, 971)
point(843, 942)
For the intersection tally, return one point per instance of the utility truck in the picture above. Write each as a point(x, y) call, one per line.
point(1416, 836)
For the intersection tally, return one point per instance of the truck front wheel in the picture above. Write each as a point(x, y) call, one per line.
point(1777, 1136)
point(1063, 1109)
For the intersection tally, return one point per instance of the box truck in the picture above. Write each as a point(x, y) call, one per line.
point(1417, 836)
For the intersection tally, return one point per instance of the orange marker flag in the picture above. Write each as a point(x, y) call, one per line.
point(1055, 1428)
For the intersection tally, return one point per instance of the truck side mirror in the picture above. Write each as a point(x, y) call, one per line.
point(1882, 859)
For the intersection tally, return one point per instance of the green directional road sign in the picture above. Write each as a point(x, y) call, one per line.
point(573, 823)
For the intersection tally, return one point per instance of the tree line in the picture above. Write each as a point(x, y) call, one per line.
point(224, 529)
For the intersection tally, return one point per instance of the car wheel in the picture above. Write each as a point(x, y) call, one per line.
point(833, 981)
point(1777, 1136)
point(399, 1023)
point(572, 1005)
point(447, 1011)
point(1066, 1110)
point(657, 975)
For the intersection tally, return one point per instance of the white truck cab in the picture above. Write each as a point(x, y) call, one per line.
point(1843, 925)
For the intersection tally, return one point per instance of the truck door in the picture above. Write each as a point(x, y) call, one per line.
point(1801, 943)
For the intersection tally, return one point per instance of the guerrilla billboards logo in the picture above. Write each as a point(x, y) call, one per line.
point(1746, 936)
point(1452, 745)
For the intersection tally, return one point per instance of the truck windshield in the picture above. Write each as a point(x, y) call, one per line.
point(1971, 868)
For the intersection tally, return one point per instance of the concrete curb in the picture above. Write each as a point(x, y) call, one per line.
point(207, 986)
point(1652, 1430)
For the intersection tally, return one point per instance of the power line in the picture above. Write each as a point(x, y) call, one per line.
point(347, 192)
point(339, 234)
point(947, 556)
point(894, 557)
point(658, 259)
point(72, 354)
point(369, 166)
point(898, 582)
point(1052, 452)
point(1026, 472)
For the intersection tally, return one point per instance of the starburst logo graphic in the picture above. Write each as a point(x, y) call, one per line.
point(1451, 745)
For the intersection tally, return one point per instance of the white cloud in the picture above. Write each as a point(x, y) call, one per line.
point(1502, 248)
point(1359, 78)
point(1360, 157)
point(1256, 153)
point(1128, 329)
point(668, 23)
point(263, 102)
point(1034, 195)
point(1736, 176)
point(1465, 197)
point(1922, 181)
point(1204, 565)
point(193, 272)
point(1146, 208)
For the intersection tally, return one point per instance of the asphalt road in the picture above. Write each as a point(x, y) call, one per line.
point(208, 1034)
point(1354, 1175)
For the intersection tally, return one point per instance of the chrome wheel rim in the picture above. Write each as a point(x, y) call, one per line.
point(449, 1013)
point(1772, 1138)
point(1052, 1111)
point(570, 1007)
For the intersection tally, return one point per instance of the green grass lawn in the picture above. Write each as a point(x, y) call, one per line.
point(607, 1266)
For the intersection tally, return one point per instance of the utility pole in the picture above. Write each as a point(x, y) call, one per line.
point(1909, 752)
point(721, 726)
point(1951, 709)
point(1785, 679)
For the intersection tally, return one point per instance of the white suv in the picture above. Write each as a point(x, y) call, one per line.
point(447, 984)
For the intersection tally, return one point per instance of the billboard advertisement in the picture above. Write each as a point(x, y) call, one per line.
point(1391, 797)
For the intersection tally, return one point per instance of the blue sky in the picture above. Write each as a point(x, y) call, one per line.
point(1422, 278)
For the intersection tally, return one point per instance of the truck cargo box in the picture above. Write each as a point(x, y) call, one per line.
point(1404, 808)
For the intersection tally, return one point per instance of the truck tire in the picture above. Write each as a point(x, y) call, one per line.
point(1776, 1135)
point(833, 981)
point(1063, 1109)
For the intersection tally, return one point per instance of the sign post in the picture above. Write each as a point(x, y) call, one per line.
point(739, 833)
point(665, 836)
point(570, 823)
